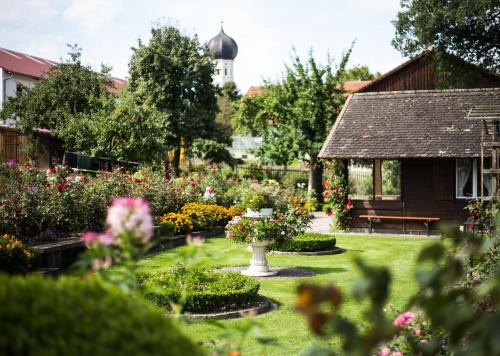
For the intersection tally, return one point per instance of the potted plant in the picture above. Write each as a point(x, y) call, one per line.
point(258, 233)
point(258, 202)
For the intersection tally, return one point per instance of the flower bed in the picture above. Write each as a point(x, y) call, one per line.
point(199, 290)
point(15, 257)
point(307, 242)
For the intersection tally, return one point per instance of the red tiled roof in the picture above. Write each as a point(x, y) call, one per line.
point(254, 90)
point(36, 67)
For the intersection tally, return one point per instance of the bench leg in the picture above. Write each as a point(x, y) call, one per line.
point(369, 226)
point(428, 226)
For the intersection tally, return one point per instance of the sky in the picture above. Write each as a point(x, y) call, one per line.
point(265, 30)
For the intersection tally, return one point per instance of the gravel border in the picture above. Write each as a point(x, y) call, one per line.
point(335, 251)
point(261, 306)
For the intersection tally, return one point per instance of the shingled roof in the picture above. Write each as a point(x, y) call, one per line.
point(408, 124)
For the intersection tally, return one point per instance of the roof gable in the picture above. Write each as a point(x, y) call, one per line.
point(408, 124)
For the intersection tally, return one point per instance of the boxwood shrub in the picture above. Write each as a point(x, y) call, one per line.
point(199, 290)
point(307, 242)
point(42, 316)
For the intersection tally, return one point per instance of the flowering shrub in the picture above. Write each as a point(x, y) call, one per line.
point(249, 230)
point(181, 222)
point(14, 255)
point(130, 228)
point(257, 198)
point(335, 196)
point(206, 216)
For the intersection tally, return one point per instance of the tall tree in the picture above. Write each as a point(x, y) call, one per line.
point(173, 73)
point(469, 29)
point(296, 113)
point(69, 89)
point(226, 100)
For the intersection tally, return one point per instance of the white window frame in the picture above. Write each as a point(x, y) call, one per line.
point(475, 178)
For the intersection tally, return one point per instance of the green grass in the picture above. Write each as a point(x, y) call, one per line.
point(284, 324)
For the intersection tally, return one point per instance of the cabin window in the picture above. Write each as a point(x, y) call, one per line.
point(360, 179)
point(225, 71)
point(391, 180)
point(466, 178)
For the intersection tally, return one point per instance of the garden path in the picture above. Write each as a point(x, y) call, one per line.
point(320, 223)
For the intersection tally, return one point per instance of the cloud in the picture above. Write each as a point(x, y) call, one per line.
point(27, 11)
point(92, 15)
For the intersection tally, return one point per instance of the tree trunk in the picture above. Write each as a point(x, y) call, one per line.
point(315, 186)
point(166, 164)
point(176, 161)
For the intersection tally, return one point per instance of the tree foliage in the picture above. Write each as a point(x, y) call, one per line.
point(295, 114)
point(226, 101)
point(173, 73)
point(69, 89)
point(360, 73)
point(469, 29)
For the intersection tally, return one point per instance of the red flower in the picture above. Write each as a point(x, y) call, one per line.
point(339, 195)
point(59, 187)
point(349, 202)
point(213, 170)
point(137, 180)
point(329, 212)
point(65, 186)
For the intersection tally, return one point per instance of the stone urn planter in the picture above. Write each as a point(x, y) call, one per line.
point(258, 264)
point(262, 213)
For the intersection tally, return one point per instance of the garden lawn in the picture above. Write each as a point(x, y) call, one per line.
point(284, 324)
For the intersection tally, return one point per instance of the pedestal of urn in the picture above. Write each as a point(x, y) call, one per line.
point(258, 264)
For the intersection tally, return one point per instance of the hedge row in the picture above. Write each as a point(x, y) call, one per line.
point(73, 317)
point(199, 290)
point(308, 242)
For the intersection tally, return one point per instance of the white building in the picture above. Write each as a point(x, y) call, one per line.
point(225, 51)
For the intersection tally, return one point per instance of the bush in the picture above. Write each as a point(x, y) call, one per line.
point(257, 198)
point(181, 222)
point(82, 317)
point(199, 290)
point(15, 257)
point(206, 216)
point(307, 242)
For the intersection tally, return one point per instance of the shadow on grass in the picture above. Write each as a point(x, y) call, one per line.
point(327, 270)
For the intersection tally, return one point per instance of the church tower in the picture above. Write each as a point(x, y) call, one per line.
point(225, 51)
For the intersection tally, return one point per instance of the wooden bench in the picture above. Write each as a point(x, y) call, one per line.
point(426, 220)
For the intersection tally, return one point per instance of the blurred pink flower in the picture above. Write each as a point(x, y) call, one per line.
point(11, 162)
point(403, 319)
point(424, 341)
point(130, 215)
point(89, 237)
point(385, 351)
point(397, 353)
point(106, 239)
point(101, 263)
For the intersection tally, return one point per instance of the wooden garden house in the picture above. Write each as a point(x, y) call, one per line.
point(409, 149)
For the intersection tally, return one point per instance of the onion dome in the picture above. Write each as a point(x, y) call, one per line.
point(223, 46)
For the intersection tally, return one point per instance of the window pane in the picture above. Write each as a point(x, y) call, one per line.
point(464, 177)
point(391, 180)
point(361, 179)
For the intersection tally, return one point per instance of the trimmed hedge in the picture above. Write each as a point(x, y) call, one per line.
point(42, 316)
point(200, 290)
point(307, 242)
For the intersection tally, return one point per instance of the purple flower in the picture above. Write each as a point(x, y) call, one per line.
point(11, 162)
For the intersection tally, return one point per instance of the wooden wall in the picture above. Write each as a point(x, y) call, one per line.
point(427, 189)
point(419, 74)
point(12, 147)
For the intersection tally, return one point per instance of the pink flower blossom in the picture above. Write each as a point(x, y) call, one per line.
point(397, 353)
point(130, 215)
point(403, 319)
point(385, 351)
point(424, 341)
point(99, 263)
point(89, 237)
point(418, 332)
point(106, 239)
